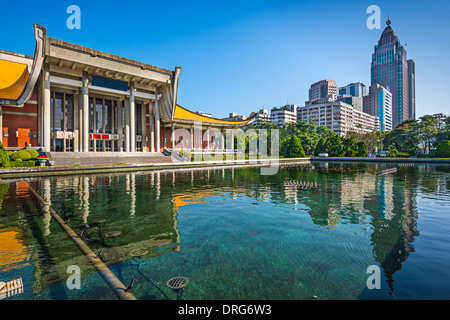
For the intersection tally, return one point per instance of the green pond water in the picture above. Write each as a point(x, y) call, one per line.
point(236, 234)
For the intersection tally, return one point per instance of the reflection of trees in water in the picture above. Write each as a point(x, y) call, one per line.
point(4, 187)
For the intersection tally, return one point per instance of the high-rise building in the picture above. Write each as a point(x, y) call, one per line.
point(262, 116)
point(355, 102)
point(411, 89)
point(284, 115)
point(389, 68)
point(338, 116)
point(379, 103)
point(322, 89)
point(357, 89)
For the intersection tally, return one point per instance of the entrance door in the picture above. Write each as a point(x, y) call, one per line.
point(5, 137)
point(24, 137)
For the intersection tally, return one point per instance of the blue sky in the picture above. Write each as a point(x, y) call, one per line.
point(240, 56)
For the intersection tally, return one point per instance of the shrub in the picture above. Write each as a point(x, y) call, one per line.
point(33, 153)
point(23, 164)
point(4, 157)
point(403, 155)
point(392, 153)
point(21, 154)
point(432, 153)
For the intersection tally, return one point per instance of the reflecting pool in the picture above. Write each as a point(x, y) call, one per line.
point(309, 232)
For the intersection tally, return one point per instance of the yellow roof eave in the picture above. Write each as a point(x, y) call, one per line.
point(184, 114)
point(13, 79)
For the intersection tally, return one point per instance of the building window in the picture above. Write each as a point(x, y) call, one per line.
point(61, 121)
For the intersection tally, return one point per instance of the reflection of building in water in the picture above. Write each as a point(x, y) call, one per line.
point(291, 193)
point(355, 190)
point(385, 200)
point(395, 225)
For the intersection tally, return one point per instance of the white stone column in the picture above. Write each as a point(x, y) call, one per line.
point(127, 124)
point(85, 113)
point(152, 128)
point(120, 124)
point(191, 142)
point(80, 121)
point(207, 138)
point(76, 122)
point(132, 119)
point(172, 138)
point(144, 127)
point(46, 110)
point(222, 139)
point(157, 122)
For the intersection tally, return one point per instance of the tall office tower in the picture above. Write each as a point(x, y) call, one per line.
point(411, 89)
point(322, 89)
point(389, 68)
point(379, 103)
point(357, 89)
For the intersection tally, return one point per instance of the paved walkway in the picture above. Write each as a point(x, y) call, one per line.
point(105, 158)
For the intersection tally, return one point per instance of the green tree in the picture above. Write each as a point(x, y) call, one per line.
point(362, 149)
point(334, 146)
point(427, 131)
point(350, 148)
point(443, 150)
point(320, 147)
point(296, 148)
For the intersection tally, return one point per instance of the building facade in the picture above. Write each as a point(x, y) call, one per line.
point(357, 89)
point(379, 103)
point(284, 115)
point(322, 89)
point(262, 116)
point(338, 117)
point(69, 98)
point(355, 102)
point(389, 68)
point(411, 89)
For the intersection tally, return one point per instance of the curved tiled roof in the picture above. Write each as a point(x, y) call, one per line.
point(185, 114)
point(13, 78)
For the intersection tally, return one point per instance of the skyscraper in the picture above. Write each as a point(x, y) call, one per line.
point(411, 89)
point(379, 103)
point(389, 68)
point(322, 89)
point(357, 89)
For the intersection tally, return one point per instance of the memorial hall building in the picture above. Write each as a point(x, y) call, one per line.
point(69, 98)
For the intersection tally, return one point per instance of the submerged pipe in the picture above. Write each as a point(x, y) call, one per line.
point(119, 289)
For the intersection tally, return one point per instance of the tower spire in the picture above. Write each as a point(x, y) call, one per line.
point(388, 22)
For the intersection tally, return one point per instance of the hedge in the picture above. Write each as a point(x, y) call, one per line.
point(21, 154)
point(33, 153)
point(4, 157)
point(23, 164)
